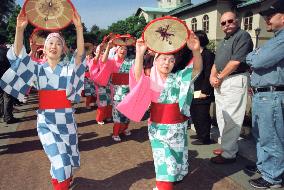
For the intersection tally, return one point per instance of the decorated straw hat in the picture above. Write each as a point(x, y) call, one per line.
point(49, 14)
point(109, 37)
point(124, 40)
point(166, 35)
point(38, 37)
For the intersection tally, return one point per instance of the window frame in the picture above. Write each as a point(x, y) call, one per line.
point(248, 21)
point(205, 23)
point(194, 24)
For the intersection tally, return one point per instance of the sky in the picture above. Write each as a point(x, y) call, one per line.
point(105, 12)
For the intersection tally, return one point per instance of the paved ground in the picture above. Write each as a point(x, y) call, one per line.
point(104, 163)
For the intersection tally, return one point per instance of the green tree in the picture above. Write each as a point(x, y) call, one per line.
point(69, 34)
point(133, 25)
point(6, 9)
point(11, 28)
point(93, 36)
point(212, 45)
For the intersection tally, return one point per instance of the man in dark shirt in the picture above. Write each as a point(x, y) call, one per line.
point(229, 77)
point(6, 100)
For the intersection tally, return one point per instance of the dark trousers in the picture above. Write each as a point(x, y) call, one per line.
point(6, 105)
point(201, 119)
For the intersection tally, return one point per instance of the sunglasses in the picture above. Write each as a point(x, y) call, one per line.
point(230, 21)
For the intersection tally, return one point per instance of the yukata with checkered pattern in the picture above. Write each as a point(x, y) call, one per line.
point(56, 128)
point(89, 86)
point(120, 91)
point(103, 92)
point(103, 95)
point(113, 66)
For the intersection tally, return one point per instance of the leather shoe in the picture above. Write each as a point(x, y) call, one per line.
point(221, 160)
point(252, 169)
point(194, 137)
point(13, 120)
point(201, 142)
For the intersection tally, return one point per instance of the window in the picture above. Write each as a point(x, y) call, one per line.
point(248, 21)
point(194, 24)
point(169, 1)
point(205, 23)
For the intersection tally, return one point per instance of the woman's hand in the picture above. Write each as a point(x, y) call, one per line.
point(22, 20)
point(140, 47)
point(193, 42)
point(77, 20)
point(110, 44)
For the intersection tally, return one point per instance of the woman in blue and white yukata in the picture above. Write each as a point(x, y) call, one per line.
point(58, 82)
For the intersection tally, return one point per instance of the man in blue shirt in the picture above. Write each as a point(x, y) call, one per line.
point(267, 81)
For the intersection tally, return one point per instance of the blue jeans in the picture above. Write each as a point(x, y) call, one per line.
point(268, 130)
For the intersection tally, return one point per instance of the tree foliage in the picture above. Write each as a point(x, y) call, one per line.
point(6, 9)
point(133, 25)
point(11, 28)
point(69, 34)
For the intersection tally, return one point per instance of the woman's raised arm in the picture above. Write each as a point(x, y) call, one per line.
point(80, 38)
point(22, 22)
point(140, 51)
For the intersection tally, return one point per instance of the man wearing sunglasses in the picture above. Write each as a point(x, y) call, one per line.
point(267, 81)
point(229, 77)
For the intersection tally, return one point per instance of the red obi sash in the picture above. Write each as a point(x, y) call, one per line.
point(87, 74)
point(120, 78)
point(53, 99)
point(166, 113)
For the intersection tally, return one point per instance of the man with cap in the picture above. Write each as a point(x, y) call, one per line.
point(267, 81)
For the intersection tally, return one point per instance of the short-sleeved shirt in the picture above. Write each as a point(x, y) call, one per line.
point(234, 47)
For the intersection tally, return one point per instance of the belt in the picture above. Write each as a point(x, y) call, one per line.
point(237, 72)
point(267, 89)
point(166, 113)
point(53, 99)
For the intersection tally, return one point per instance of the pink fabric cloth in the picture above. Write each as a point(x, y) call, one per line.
point(157, 83)
point(97, 75)
point(101, 74)
point(132, 106)
point(142, 93)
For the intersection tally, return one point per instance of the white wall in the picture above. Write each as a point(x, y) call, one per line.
point(172, 4)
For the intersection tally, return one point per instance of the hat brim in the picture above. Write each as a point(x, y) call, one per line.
point(124, 40)
point(267, 12)
point(165, 35)
point(51, 16)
